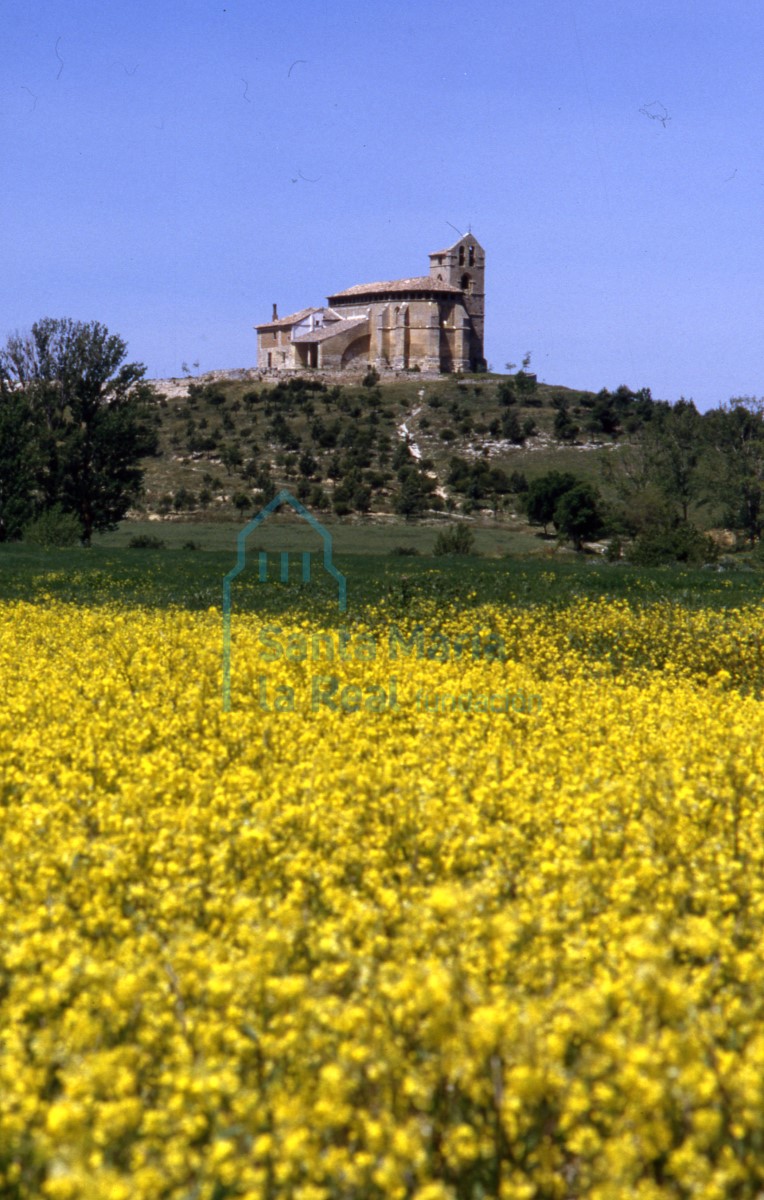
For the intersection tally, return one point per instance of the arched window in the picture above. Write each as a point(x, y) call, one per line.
point(471, 259)
point(466, 282)
point(461, 256)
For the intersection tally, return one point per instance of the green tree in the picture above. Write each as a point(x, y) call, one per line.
point(564, 428)
point(92, 414)
point(231, 458)
point(411, 499)
point(505, 393)
point(676, 441)
point(576, 514)
point(663, 473)
point(543, 494)
point(735, 440)
point(17, 464)
point(511, 428)
point(525, 381)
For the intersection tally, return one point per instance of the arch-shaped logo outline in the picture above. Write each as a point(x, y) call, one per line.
point(283, 497)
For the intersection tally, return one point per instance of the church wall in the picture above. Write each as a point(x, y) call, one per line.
point(333, 353)
point(277, 344)
point(439, 334)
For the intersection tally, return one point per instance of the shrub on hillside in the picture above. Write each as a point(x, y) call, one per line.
point(371, 378)
point(184, 498)
point(518, 482)
point(212, 393)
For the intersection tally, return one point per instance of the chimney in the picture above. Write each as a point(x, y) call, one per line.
point(275, 316)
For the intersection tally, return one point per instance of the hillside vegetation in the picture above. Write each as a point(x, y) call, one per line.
point(412, 448)
point(529, 460)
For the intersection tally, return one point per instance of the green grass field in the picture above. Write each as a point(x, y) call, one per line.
point(194, 578)
point(357, 535)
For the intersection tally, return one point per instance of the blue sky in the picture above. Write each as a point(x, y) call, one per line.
point(172, 169)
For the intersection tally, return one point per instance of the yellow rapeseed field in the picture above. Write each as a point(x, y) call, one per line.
point(474, 912)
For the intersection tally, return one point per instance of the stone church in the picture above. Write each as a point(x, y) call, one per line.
point(431, 322)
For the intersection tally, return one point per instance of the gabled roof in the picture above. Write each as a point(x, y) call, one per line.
point(332, 330)
point(420, 283)
point(286, 322)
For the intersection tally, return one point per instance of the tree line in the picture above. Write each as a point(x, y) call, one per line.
point(683, 464)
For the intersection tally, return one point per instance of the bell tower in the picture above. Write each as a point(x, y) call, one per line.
point(463, 266)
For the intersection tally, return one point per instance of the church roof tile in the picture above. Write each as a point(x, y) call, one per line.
point(419, 283)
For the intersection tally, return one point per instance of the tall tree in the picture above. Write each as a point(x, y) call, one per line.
point(735, 436)
point(17, 464)
point(660, 475)
point(577, 515)
point(543, 493)
point(92, 415)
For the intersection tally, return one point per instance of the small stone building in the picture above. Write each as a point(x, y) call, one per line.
point(431, 322)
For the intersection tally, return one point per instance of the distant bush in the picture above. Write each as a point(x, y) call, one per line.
point(525, 383)
point(564, 428)
point(183, 498)
point(511, 428)
point(317, 498)
point(506, 394)
point(371, 378)
point(191, 545)
point(202, 443)
point(53, 528)
point(665, 544)
point(212, 393)
point(404, 551)
point(459, 540)
point(518, 482)
point(145, 541)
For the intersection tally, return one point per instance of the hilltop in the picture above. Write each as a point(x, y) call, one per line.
point(379, 449)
